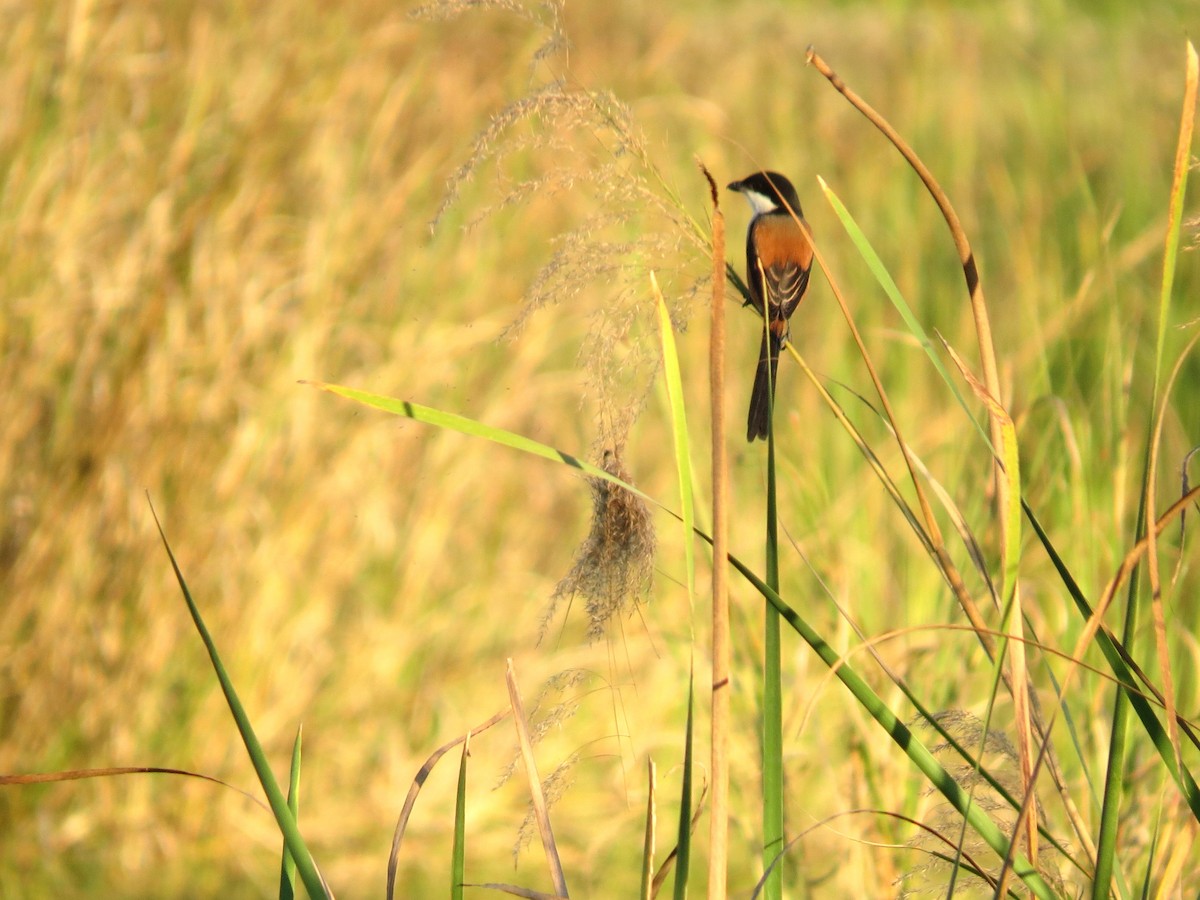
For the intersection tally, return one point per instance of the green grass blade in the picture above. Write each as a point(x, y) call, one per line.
point(1114, 772)
point(1175, 210)
point(679, 431)
point(683, 846)
point(458, 865)
point(472, 428)
point(648, 835)
point(283, 815)
point(772, 696)
point(884, 277)
point(287, 868)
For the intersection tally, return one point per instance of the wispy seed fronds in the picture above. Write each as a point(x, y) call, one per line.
point(552, 107)
point(551, 710)
point(554, 786)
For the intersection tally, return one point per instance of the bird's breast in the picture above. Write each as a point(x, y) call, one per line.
point(780, 241)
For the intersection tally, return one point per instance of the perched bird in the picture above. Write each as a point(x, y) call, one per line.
point(778, 261)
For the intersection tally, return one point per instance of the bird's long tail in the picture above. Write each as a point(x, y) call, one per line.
point(763, 395)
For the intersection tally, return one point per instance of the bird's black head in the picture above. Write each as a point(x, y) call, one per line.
point(768, 192)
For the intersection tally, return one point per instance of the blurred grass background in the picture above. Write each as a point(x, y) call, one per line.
point(203, 203)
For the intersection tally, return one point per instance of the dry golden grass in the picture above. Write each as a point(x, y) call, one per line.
point(203, 204)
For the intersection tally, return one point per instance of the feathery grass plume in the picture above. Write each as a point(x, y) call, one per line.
point(547, 14)
point(565, 139)
point(933, 874)
point(593, 149)
point(614, 564)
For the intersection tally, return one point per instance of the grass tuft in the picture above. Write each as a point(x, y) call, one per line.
point(614, 564)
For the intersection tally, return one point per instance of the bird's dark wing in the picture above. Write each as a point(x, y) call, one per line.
point(786, 284)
